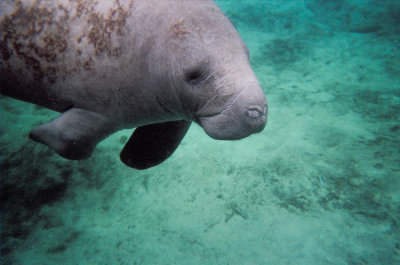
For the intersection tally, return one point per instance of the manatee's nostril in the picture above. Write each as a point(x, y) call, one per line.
point(253, 113)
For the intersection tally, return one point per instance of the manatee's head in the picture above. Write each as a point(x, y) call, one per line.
point(226, 99)
point(210, 73)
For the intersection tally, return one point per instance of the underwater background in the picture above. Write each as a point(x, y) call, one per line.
point(320, 184)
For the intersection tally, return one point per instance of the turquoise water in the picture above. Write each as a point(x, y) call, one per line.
point(320, 184)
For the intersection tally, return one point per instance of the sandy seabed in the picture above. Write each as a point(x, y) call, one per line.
point(320, 185)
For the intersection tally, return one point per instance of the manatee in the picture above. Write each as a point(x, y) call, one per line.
point(107, 65)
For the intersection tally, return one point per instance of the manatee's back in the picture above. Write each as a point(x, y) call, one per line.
point(54, 53)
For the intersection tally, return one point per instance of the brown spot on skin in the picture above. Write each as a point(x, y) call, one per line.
point(116, 51)
point(87, 65)
point(33, 35)
point(101, 28)
point(34, 64)
point(36, 37)
point(79, 39)
point(5, 52)
point(51, 74)
point(178, 30)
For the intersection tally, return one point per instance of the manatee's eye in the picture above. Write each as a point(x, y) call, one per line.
point(194, 76)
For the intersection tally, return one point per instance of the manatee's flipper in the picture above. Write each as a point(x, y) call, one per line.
point(74, 134)
point(151, 144)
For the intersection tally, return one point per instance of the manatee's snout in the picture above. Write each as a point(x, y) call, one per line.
point(237, 121)
point(245, 120)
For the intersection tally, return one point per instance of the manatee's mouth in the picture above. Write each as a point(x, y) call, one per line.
point(232, 124)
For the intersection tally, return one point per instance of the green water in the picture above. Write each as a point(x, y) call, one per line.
point(320, 185)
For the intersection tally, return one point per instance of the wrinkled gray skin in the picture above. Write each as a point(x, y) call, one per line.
point(122, 64)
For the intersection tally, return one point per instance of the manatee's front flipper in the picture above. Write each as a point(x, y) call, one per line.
point(151, 144)
point(74, 134)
